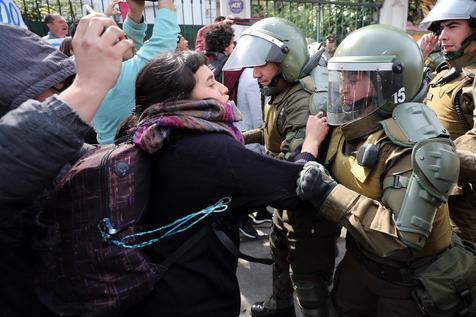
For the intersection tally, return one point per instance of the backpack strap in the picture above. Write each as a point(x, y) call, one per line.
point(233, 249)
point(169, 261)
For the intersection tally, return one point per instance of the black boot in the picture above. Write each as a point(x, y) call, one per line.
point(259, 310)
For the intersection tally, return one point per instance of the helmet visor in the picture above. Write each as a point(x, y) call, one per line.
point(253, 51)
point(355, 94)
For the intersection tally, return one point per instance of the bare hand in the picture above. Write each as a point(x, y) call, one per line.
point(229, 20)
point(427, 43)
point(317, 128)
point(316, 131)
point(99, 46)
point(136, 8)
point(111, 8)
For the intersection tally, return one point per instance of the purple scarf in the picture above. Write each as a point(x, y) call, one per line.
point(158, 121)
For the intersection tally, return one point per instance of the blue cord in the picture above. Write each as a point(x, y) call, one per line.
point(178, 226)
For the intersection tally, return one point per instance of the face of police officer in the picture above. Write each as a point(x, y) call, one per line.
point(453, 33)
point(265, 73)
point(206, 87)
point(355, 86)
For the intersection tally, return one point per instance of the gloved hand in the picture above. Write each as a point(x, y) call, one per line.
point(314, 183)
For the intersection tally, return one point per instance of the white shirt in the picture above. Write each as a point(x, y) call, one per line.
point(249, 103)
point(54, 41)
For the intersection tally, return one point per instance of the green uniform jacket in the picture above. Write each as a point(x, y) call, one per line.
point(364, 199)
point(285, 121)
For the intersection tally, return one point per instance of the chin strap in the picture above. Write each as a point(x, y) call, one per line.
point(460, 52)
point(361, 104)
point(270, 90)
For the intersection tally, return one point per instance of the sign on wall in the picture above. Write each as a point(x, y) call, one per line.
point(236, 6)
point(10, 14)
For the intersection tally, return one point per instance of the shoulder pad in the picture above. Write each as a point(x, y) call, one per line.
point(411, 123)
point(442, 67)
point(307, 83)
point(316, 84)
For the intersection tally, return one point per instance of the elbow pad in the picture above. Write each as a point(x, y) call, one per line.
point(435, 173)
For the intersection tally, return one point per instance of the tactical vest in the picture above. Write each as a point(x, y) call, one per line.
point(445, 93)
point(274, 119)
point(368, 182)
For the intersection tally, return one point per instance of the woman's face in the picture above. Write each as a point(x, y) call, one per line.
point(355, 86)
point(206, 87)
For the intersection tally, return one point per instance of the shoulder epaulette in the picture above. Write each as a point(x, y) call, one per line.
point(308, 84)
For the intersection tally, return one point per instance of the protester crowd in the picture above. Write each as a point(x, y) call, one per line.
point(130, 166)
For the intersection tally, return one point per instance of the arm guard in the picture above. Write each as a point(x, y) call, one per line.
point(435, 173)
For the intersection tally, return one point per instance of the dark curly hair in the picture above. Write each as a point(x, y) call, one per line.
point(168, 77)
point(218, 37)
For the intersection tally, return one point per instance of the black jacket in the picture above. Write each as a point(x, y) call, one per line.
point(192, 172)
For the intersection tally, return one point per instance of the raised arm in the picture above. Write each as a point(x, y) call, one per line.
point(37, 139)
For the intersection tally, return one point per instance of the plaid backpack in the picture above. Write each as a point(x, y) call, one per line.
point(91, 252)
point(101, 199)
point(91, 243)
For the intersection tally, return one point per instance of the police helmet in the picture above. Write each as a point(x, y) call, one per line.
point(375, 68)
point(274, 40)
point(449, 10)
point(445, 10)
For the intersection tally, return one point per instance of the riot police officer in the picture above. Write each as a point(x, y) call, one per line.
point(393, 167)
point(466, 150)
point(449, 93)
point(277, 51)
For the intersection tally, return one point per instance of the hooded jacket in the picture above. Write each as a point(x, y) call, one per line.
point(36, 140)
point(29, 66)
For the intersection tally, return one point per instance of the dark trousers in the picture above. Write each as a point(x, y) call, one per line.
point(303, 246)
point(359, 293)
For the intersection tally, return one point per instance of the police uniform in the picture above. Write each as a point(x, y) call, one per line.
point(302, 242)
point(393, 168)
point(370, 281)
point(449, 95)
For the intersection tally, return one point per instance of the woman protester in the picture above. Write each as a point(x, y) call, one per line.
point(184, 120)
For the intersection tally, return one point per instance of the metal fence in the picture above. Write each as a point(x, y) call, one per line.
point(191, 14)
point(317, 18)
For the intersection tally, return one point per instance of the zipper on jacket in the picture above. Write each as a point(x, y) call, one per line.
point(106, 227)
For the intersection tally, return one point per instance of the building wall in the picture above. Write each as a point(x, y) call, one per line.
point(189, 12)
point(394, 12)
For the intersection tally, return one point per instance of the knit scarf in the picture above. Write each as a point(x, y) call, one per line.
point(158, 121)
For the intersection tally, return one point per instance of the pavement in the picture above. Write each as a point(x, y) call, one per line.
point(255, 279)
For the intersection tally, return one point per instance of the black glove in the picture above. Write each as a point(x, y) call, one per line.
point(314, 183)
